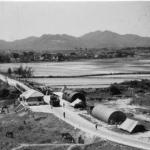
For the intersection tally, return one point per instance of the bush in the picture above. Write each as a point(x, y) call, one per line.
point(9, 71)
point(4, 93)
point(114, 89)
point(20, 128)
point(143, 100)
point(26, 72)
point(45, 141)
point(4, 58)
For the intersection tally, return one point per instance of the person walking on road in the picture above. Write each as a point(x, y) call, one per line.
point(64, 114)
point(63, 105)
point(96, 126)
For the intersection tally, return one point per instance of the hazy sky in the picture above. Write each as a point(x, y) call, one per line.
point(23, 19)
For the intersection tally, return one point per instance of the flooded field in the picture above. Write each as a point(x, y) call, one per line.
point(84, 68)
point(89, 82)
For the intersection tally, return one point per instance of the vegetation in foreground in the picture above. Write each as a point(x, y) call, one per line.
point(57, 147)
point(8, 94)
point(139, 91)
point(102, 145)
point(34, 128)
point(45, 128)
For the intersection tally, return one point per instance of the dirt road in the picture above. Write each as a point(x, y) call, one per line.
point(75, 120)
point(13, 82)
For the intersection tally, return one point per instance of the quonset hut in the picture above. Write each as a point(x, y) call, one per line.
point(132, 126)
point(71, 96)
point(108, 115)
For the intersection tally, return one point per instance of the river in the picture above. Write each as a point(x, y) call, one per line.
point(86, 67)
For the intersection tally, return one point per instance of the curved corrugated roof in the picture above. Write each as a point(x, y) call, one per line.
point(105, 113)
point(70, 95)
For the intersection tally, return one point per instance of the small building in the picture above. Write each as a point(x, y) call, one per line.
point(132, 126)
point(77, 101)
point(108, 115)
point(32, 97)
point(71, 96)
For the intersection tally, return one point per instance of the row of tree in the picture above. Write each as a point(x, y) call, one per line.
point(24, 72)
point(30, 56)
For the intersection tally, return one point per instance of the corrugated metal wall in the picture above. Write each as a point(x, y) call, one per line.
point(108, 115)
point(70, 96)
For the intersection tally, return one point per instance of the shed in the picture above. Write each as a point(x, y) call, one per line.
point(108, 115)
point(77, 101)
point(32, 97)
point(132, 126)
point(71, 96)
point(31, 93)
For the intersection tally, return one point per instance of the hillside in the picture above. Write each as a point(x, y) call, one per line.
point(97, 39)
point(108, 39)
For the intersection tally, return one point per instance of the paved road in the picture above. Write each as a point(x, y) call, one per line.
point(78, 122)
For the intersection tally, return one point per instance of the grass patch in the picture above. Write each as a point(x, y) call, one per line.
point(142, 100)
point(46, 148)
point(33, 128)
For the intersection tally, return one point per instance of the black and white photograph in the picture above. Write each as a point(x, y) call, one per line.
point(74, 75)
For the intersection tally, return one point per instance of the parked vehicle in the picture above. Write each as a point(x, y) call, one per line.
point(54, 100)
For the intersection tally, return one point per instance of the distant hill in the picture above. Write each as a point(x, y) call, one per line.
point(108, 39)
point(97, 39)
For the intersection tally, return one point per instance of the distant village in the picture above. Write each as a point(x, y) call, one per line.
point(12, 56)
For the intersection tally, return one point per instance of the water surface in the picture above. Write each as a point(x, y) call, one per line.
point(86, 67)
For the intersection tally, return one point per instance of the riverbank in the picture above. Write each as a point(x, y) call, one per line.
point(116, 91)
point(83, 67)
point(93, 75)
point(135, 89)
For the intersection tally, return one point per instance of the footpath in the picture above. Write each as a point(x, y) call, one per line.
point(72, 118)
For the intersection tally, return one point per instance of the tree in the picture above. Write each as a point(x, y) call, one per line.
point(60, 57)
point(114, 89)
point(15, 55)
point(4, 57)
point(4, 93)
point(26, 72)
point(9, 71)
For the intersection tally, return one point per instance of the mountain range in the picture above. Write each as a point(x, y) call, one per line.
point(97, 39)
